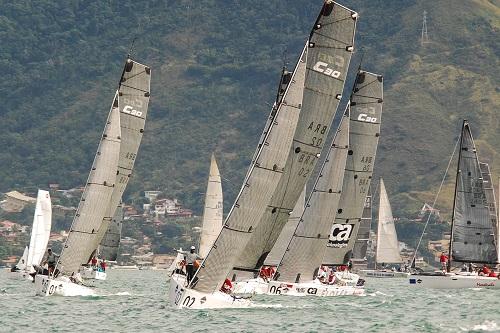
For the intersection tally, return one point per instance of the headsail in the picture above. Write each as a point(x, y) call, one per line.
point(40, 232)
point(387, 239)
point(490, 196)
point(133, 101)
point(361, 245)
point(258, 187)
point(366, 116)
point(330, 47)
point(212, 213)
point(473, 231)
point(21, 265)
point(108, 249)
point(96, 196)
point(274, 257)
point(306, 248)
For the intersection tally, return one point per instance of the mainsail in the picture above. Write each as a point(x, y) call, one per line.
point(212, 213)
point(96, 196)
point(473, 232)
point(259, 185)
point(108, 249)
point(274, 257)
point(387, 239)
point(330, 47)
point(366, 116)
point(133, 101)
point(40, 232)
point(361, 245)
point(490, 196)
point(306, 248)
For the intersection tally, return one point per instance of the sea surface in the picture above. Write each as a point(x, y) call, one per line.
point(136, 301)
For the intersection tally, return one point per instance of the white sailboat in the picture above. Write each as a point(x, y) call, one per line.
point(387, 250)
point(473, 231)
point(40, 233)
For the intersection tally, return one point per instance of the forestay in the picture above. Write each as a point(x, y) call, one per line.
point(306, 248)
point(108, 249)
point(473, 231)
point(258, 186)
point(331, 43)
point(212, 213)
point(40, 232)
point(364, 132)
point(361, 245)
point(490, 196)
point(133, 101)
point(96, 196)
point(387, 239)
point(274, 257)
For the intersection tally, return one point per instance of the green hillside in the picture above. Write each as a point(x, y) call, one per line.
point(215, 66)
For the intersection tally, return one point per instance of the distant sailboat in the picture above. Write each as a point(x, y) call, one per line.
point(213, 211)
point(387, 250)
point(473, 231)
point(40, 233)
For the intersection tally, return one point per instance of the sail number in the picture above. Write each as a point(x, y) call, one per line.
point(46, 284)
point(275, 290)
point(188, 301)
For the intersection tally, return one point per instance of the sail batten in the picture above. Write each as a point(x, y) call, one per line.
point(330, 48)
point(473, 229)
point(364, 132)
point(212, 213)
point(306, 247)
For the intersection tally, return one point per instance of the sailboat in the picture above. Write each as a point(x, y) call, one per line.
point(213, 211)
point(387, 250)
point(133, 101)
point(96, 206)
point(40, 233)
point(332, 38)
point(473, 232)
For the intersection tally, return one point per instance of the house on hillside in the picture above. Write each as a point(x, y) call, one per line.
point(171, 208)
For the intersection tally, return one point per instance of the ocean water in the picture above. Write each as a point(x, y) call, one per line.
point(136, 301)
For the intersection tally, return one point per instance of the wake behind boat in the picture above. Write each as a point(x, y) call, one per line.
point(473, 231)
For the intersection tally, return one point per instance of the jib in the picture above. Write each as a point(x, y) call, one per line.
point(130, 110)
point(322, 67)
point(367, 118)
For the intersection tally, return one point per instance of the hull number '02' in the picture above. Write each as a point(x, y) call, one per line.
point(322, 67)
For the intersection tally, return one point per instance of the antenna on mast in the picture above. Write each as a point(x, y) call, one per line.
point(424, 36)
point(131, 47)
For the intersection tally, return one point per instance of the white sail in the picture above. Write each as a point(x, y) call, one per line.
point(40, 232)
point(94, 204)
point(212, 213)
point(274, 257)
point(21, 265)
point(387, 239)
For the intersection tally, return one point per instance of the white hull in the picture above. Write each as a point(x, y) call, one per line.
point(45, 286)
point(454, 281)
point(375, 273)
point(181, 297)
point(249, 287)
point(312, 288)
point(21, 275)
point(346, 278)
point(91, 274)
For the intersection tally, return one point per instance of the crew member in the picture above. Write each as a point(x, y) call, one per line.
point(51, 260)
point(190, 258)
point(444, 261)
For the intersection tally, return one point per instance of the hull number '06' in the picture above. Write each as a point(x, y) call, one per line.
point(367, 118)
point(322, 67)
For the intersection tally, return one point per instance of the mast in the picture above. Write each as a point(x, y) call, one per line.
point(450, 247)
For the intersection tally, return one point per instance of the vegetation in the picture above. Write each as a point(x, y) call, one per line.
point(215, 66)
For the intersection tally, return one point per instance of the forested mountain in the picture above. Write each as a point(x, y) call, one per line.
point(215, 67)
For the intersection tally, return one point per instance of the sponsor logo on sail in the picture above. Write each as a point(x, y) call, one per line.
point(130, 110)
point(323, 67)
point(340, 235)
point(366, 118)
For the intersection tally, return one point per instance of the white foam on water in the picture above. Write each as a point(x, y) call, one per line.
point(487, 326)
point(266, 305)
point(377, 293)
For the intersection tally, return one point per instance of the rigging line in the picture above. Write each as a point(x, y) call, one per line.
point(434, 203)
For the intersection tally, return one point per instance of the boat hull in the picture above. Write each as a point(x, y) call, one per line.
point(92, 274)
point(454, 281)
point(251, 286)
point(312, 289)
point(382, 274)
point(181, 297)
point(46, 286)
